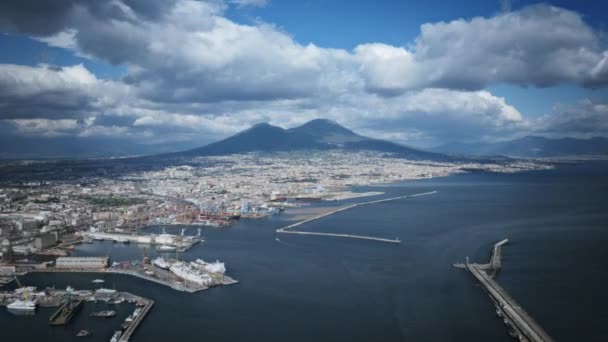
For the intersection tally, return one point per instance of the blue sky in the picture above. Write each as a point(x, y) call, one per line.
point(183, 72)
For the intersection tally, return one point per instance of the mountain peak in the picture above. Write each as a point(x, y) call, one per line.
point(323, 128)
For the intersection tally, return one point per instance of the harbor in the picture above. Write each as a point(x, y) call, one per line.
point(520, 324)
point(26, 300)
point(289, 229)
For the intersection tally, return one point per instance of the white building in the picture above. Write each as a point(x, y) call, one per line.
point(82, 262)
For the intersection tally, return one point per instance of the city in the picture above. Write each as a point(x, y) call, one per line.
point(319, 170)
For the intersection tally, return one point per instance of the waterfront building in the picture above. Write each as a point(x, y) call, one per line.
point(82, 262)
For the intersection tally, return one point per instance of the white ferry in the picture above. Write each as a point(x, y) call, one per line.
point(191, 274)
point(215, 267)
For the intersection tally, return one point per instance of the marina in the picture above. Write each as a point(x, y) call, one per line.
point(70, 301)
point(520, 324)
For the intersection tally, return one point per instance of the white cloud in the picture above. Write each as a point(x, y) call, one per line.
point(539, 45)
point(253, 3)
point(585, 119)
point(194, 73)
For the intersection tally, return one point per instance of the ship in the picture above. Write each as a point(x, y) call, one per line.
point(215, 267)
point(83, 333)
point(161, 263)
point(22, 307)
point(104, 314)
point(105, 291)
point(191, 274)
point(166, 248)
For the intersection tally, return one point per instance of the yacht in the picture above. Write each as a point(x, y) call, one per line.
point(22, 306)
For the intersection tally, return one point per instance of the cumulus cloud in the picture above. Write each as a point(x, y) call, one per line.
point(45, 91)
point(194, 74)
point(539, 45)
point(253, 3)
point(585, 119)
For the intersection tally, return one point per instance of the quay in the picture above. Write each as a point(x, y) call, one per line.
point(521, 325)
point(150, 273)
point(289, 229)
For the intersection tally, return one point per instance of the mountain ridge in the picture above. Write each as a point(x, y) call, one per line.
point(317, 134)
point(531, 147)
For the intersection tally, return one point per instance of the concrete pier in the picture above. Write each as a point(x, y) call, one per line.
point(521, 325)
point(160, 276)
point(137, 319)
point(288, 229)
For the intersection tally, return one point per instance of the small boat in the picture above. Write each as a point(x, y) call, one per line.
point(104, 314)
point(97, 281)
point(105, 291)
point(22, 307)
point(166, 248)
point(83, 333)
point(117, 301)
point(161, 263)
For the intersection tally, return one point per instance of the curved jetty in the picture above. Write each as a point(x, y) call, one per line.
point(288, 229)
point(521, 325)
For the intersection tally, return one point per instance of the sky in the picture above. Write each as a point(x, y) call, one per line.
point(172, 74)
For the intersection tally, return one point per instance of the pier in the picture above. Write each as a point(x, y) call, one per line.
point(521, 325)
point(138, 317)
point(157, 275)
point(289, 229)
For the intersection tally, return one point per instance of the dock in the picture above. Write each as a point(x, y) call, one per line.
point(521, 325)
point(289, 229)
point(66, 312)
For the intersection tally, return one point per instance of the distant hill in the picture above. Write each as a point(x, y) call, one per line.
point(318, 134)
point(532, 147)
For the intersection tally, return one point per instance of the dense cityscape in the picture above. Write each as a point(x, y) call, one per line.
point(35, 215)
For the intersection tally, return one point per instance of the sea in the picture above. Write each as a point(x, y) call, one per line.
point(316, 288)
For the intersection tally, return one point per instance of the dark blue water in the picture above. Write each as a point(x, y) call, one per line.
point(305, 288)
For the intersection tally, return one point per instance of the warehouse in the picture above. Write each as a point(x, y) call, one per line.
point(82, 262)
